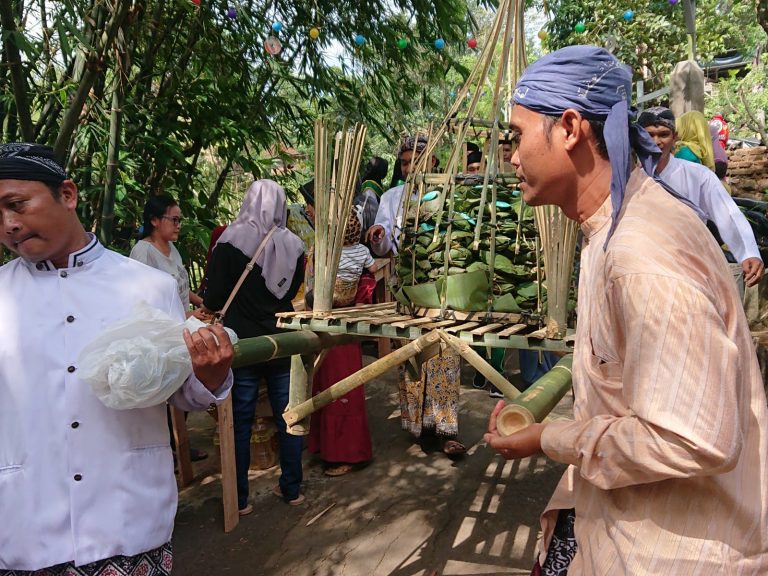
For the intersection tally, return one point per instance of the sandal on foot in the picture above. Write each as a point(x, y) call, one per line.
point(339, 470)
point(295, 502)
point(245, 511)
point(454, 448)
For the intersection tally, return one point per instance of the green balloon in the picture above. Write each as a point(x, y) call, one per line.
point(402, 43)
point(580, 27)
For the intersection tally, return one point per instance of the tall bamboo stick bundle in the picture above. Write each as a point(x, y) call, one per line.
point(334, 190)
point(535, 403)
point(558, 235)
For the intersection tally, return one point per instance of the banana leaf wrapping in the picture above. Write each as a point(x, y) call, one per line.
point(470, 284)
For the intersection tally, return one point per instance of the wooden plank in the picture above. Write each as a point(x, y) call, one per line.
point(480, 317)
point(227, 451)
point(487, 328)
point(460, 327)
point(181, 439)
point(511, 330)
point(411, 322)
point(440, 324)
point(389, 320)
point(360, 308)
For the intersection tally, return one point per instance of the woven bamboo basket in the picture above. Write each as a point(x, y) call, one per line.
point(468, 242)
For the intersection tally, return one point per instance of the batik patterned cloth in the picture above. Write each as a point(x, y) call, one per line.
point(561, 549)
point(432, 401)
point(157, 562)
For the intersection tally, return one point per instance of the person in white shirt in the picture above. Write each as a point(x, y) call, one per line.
point(84, 489)
point(383, 235)
point(702, 187)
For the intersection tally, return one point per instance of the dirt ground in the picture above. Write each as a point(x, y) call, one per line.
point(410, 512)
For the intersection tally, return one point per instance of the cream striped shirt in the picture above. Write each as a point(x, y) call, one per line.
point(669, 446)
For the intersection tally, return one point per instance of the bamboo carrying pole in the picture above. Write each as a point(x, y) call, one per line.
point(302, 376)
point(342, 387)
point(535, 403)
point(250, 351)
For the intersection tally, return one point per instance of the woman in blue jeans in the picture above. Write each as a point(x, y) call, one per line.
point(267, 289)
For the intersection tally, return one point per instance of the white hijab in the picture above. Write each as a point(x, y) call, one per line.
point(263, 209)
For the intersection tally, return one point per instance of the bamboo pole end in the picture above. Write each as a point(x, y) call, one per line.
point(513, 418)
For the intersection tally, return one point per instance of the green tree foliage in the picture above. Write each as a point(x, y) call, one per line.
point(655, 37)
point(148, 96)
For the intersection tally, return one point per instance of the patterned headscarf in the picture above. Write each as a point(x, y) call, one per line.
point(263, 210)
point(693, 132)
point(354, 230)
point(657, 116)
point(593, 82)
point(22, 161)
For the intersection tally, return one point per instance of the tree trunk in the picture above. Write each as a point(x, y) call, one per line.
point(762, 14)
point(13, 58)
point(113, 153)
point(93, 67)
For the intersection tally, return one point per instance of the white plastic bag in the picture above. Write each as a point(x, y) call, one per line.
point(140, 361)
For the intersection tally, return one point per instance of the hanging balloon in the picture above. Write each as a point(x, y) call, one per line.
point(439, 44)
point(196, 2)
point(277, 27)
point(673, 2)
point(232, 12)
point(272, 46)
point(359, 39)
point(580, 27)
point(628, 15)
point(472, 43)
point(314, 33)
point(542, 34)
point(453, 94)
point(402, 43)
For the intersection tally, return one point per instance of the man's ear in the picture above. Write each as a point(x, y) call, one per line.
point(68, 194)
point(572, 122)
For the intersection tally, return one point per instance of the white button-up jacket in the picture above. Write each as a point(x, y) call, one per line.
point(79, 481)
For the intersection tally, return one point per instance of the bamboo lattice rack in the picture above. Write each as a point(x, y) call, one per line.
point(495, 330)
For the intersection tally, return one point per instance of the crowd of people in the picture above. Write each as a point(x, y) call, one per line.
point(668, 449)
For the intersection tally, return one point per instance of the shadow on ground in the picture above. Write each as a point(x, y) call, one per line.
point(411, 512)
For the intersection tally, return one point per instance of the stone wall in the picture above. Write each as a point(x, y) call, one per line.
point(748, 172)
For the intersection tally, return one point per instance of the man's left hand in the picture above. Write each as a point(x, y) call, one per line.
point(211, 357)
point(522, 444)
point(753, 270)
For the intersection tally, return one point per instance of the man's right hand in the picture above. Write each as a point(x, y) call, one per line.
point(375, 234)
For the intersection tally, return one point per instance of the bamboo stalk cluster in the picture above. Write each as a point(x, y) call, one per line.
point(558, 235)
point(335, 180)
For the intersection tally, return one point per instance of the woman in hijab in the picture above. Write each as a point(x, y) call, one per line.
point(693, 140)
point(268, 288)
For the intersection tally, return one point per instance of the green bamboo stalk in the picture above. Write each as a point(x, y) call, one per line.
point(249, 351)
point(535, 403)
point(346, 385)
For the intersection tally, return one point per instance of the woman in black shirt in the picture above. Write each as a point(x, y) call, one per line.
point(268, 288)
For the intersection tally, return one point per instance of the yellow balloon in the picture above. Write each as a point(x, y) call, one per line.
point(543, 34)
point(314, 33)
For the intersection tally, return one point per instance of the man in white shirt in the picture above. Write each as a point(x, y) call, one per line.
point(701, 186)
point(84, 489)
point(383, 235)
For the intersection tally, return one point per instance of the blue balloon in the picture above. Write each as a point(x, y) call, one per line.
point(439, 43)
point(359, 39)
point(628, 15)
point(277, 26)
